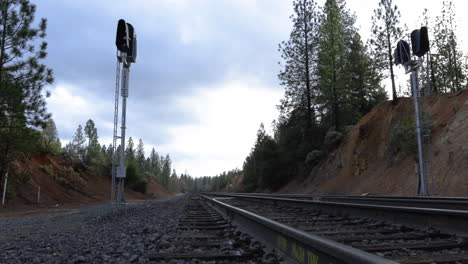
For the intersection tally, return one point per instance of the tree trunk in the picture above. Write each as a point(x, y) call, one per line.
point(2, 48)
point(433, 77)
point(307, 69)
point(392, 75)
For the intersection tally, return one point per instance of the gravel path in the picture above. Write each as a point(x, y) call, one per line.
point(99, 234)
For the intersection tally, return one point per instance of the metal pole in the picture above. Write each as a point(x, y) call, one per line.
point(428, 77)
point(38, 196)
point(116, 119)
point(124, 91)
point(5, 187)
point(422, 191)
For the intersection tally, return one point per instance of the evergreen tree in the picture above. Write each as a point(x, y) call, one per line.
point(50, 141)
point(299, 55)
point(364, 82)
point(130, 150)
point(261, 167)
point(104, 150)
point(448, 67)
point(386, 30)
point(166, 172)
point(140, 156)
point(22, 79)
point(91, 133)
point(155, 164)
point(335, 30)
point(93, 149)
point(173, 182)
point(77, 146)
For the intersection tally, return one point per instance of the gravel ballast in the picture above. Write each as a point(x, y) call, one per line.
point(100, 234)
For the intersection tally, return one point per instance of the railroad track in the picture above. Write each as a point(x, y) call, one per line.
point(308, 233)
point(204, 236)
point(449, 203)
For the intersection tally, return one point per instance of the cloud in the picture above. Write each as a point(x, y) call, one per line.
point(71, 105)
point(226, 117)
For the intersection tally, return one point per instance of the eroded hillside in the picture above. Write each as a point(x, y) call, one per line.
point(370, 158)
point(61, 183)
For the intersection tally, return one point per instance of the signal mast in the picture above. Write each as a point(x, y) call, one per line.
point(126, 43)
point(420, 46)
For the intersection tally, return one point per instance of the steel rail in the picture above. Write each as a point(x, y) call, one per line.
point(449, 221)
point(318, 196)
point(436, 203)
point(297, 245)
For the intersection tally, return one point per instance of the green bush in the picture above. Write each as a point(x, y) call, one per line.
point(72, 172)
point(61, 181)
point(48, 169)
point(134, 180)
point(25, 177)
point(403, 136)
point(313, 157)
point(75, 182)
point(332, 138)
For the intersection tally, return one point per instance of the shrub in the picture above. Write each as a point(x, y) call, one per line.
point(332, 138)
point(25, 177)
point(61, 181)
point(313, 157)
point(72, 172)
point(48, 169)
point(403, 136)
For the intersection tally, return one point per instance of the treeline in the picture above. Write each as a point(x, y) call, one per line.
point(216, 183)
point(332, 79)
point(446, 68)
point(86, 149)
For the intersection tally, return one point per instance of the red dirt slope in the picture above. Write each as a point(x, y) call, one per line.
point(366, 162)
point(62, 183)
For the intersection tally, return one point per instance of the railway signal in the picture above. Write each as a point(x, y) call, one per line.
point(402, 53)
point(420, 46)
point(420, 41)
point(126, 44)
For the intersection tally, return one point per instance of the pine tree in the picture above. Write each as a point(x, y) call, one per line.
point(77, 147)
point(91, 133)
point(261, 167)
point(92, 156)
point(386, 30)
point(22, 79)
point(364, 82)
point(166, 172)
point(335, 30)
point(448, 65)
point(140, 156)
point(130, 151)
point(50, 140)
point(104, 149)
point(299, 55)
point(155, 164)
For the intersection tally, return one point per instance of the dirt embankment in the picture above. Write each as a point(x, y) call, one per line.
point(368, 161)
point(61, 183)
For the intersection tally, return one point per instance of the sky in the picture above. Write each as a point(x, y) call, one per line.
point(205, 75)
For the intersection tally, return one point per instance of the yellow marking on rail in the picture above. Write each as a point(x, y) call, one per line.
point(296, 250)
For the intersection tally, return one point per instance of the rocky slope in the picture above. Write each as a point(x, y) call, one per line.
point(371, 159)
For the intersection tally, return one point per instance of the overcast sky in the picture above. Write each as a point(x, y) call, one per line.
point(205, 76)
